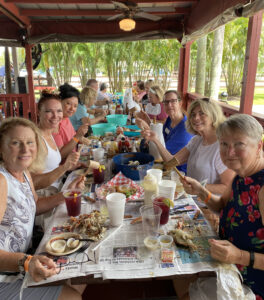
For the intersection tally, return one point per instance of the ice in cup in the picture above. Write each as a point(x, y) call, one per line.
point(98, 154)
point(164, 204)
point(150, 219)
point(115, 203)
point(73, 201)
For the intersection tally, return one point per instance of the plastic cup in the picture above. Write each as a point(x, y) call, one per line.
point(165, 209)
point(115, 203)
point(150, 219)
point(98, 175)
point(98, 154)
point(167, 189)
point(73, 201)
point(156, 172)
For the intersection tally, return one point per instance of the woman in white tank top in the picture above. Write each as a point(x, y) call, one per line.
point(50, 114)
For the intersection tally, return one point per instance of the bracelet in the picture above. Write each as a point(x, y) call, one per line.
point(26, 263)
point(251, 259)
point(208, 197)
point(75, 140)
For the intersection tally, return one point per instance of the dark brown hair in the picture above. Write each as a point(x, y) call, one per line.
point(45, 96)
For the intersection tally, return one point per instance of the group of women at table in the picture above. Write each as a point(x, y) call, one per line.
point(226, 152)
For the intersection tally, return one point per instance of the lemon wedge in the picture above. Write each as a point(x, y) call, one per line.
point(168, 202)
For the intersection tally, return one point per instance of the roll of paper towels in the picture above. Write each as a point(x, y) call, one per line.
point(153, 149)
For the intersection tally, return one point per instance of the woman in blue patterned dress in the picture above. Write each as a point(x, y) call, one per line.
point(241, 207)
point(20, 153)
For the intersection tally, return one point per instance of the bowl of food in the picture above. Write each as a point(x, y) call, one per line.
point(133, 165)
point(101, 128)
point(131, 130)
point(119, 120)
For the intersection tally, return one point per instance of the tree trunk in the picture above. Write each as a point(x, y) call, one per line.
point(7, 72)
point(49, 78)
point(216, 66)
point(201, 65)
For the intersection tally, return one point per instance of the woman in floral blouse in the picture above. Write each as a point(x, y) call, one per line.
point(241, 207)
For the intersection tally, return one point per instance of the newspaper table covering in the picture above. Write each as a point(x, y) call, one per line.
point(125, 256)
point(122, 254)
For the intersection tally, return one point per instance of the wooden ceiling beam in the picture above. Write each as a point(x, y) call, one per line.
point(98, 1)
point(89, 12)
point(12, 12)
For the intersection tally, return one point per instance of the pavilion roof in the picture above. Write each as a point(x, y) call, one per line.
point(36, 21)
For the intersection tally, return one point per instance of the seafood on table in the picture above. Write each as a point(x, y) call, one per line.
point(91, 225)
point(183, 238)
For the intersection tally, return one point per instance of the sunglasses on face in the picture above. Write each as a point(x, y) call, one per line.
point(172, 101)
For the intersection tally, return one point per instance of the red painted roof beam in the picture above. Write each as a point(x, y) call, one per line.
point(12, 12)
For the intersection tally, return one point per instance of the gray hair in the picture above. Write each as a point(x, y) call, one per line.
point(243, 123)
point(209, 107)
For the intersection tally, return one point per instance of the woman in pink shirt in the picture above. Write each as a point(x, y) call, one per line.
point(65, 136)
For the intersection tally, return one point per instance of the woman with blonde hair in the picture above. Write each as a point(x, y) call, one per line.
point(85, 113)
point(202, 152)
point(20, 153)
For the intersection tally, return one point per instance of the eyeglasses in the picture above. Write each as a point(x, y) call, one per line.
point(206, 99)
point(172, 101)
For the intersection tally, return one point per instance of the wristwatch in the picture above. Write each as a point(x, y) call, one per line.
point(21, 264)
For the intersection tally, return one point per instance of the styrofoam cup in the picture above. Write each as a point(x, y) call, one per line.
point(167, 189)
point(115, 203)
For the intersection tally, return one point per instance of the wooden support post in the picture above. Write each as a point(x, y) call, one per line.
point(32, 103)
point(183, 76)
point(251, 63)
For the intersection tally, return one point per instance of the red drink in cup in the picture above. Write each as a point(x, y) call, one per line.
point(73, 202)
point(164, 204)
point(98, 175)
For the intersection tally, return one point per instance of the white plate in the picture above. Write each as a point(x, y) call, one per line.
point(67, 250)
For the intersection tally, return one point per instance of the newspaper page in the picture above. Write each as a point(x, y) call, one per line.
point(125, 255)
point(121, 254)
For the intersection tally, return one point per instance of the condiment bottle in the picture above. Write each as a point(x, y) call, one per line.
point(150, 186)
point(119, 109)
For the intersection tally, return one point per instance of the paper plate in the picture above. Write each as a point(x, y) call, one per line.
point(67, 250)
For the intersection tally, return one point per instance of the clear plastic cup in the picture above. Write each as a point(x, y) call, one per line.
point(150, 219)
point(73, 201)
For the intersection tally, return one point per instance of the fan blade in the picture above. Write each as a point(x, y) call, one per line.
point(120, 5)
point(115, 17)
point(148, 16)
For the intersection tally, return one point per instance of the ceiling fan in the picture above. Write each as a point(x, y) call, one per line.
point(130, 9)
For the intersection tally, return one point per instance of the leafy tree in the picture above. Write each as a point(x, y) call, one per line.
point(234, 55)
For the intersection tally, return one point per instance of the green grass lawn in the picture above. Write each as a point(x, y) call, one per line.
point(258, 97)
